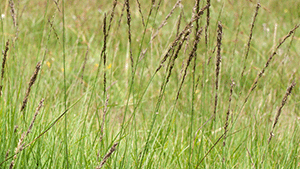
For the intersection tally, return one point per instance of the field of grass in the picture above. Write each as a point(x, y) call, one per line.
point(149, 84)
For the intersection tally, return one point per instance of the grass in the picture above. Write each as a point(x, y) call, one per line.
point(140, 84)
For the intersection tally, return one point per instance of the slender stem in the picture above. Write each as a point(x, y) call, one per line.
point(66, 161)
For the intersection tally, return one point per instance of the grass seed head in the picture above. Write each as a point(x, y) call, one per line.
point(32, 80)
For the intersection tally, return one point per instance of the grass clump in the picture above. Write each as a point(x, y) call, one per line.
point(161, 87)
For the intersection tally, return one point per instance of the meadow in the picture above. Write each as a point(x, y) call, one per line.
point(149, 84)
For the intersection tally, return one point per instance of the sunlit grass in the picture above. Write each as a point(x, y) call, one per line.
point(146, 125)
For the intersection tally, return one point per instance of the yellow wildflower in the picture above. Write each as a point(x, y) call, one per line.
point(48, 64)
point(109, 66)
